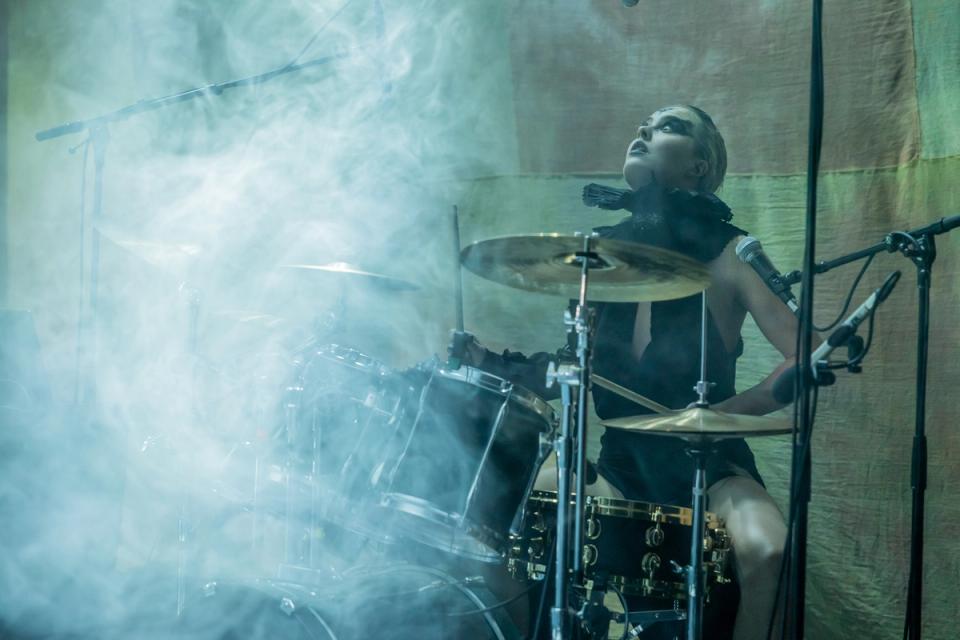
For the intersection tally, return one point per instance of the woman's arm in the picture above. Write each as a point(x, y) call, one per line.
point(776, 322)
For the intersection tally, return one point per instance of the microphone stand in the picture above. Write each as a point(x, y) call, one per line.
point(85, 384)
point(98, 137)
point(919, 247)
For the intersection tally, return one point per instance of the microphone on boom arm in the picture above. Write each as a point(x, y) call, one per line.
point(750, 252)
point(783, 387)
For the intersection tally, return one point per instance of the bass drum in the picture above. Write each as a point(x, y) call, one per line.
point(395, 602)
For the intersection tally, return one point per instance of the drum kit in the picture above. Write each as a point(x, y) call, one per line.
point(444, 457)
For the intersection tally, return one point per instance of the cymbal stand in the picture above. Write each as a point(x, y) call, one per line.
point(699, 451)
point(695, 570)
point(569, 563)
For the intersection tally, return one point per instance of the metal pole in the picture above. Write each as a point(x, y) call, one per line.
point(583, 354)
point(558, 613)
point(695, 577)
point(924, 260)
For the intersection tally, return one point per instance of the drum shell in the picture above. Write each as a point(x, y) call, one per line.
point(621, 546)
point(338, 400)
point(469, 446)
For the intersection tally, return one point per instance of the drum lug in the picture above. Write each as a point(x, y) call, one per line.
point(651, 564)
point(707, 544)
point(536, 549)
point(539, 523)
point(654, 536)
point(593, 528)
point(590, 555)
point(287, 606)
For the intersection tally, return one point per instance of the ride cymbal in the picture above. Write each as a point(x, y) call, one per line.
point(619, 271)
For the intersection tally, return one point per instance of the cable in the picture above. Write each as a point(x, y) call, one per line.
point(626, 613)
point(785, 565)
point(846, 303)
point(543, 594)
point(493, 607)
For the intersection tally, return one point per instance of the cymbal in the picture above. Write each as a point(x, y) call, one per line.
point(353, 272)
point(620, 271)
point(702, 425)
point(178, 259)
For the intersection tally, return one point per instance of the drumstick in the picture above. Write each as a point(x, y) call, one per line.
point(632, 396)
point(458, 281)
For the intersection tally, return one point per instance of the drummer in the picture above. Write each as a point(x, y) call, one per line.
point(673, 167)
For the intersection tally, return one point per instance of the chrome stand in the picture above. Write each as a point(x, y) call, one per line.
point(696, 580)
point(569, 560)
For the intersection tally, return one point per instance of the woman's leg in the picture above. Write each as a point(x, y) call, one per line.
point(758, 533)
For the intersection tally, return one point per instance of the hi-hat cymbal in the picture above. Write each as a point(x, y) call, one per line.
point(353, 272)
point(619, 271)
point(702, 425)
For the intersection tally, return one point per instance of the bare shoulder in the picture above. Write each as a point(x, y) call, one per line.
point(727, 271)
point(774, 318)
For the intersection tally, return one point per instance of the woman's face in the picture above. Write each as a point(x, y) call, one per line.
point(665, 151)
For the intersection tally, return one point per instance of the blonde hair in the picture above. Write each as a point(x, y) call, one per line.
point(712, 149)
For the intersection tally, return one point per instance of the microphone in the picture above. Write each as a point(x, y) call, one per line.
point(750, 252)
point(783, 387)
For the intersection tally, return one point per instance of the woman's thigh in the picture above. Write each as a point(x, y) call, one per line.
point(753, 520)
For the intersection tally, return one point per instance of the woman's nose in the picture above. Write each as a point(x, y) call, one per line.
point(644, 133)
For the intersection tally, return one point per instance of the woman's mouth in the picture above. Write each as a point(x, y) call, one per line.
point(639, 147)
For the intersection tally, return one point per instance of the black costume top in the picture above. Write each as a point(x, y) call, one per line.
point(649, 467)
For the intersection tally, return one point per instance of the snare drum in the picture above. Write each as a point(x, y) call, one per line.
point(634, 546)
point(468, 447)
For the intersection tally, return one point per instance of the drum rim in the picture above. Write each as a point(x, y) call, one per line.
point(633, 509)
point(424, 522)
point(314, 597)
point(337, 353)
point(475, 377)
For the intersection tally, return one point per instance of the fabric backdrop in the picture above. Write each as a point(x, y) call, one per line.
point(507, 107)
point(585, 74)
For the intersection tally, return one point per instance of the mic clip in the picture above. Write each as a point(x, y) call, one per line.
point(825, 377)
point(854, 353)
